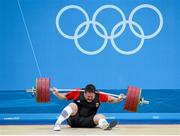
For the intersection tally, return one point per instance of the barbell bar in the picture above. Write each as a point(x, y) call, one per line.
point(132, 99)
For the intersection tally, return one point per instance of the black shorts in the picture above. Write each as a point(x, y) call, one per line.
point(81, 122)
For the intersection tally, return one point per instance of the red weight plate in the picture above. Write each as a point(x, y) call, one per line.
point(39, 90)
point(43, 90)
point(47, 89)
point(135, 99)
point(48, 97)
point(131, 100)
point(43, 96)
point(128, 99)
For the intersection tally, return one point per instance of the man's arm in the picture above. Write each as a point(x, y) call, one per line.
point(112, 99)
point(58, 95)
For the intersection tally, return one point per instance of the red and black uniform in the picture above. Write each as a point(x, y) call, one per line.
point(86, 110)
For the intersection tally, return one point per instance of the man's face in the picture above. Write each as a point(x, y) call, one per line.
point(89, 96)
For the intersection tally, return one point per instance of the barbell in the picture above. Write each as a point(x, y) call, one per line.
point(132, 99)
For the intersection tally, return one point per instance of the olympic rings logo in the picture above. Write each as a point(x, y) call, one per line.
point(105, 35)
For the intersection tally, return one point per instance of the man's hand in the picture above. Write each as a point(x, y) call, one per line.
point(112, 99)
point(58, 94)
point(121, 97)
point(55, 91)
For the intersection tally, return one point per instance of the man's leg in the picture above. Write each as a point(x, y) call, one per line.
point(69, 110)
point(101, 121)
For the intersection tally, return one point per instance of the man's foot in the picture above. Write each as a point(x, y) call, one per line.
point(110, 125)
point(56, 128)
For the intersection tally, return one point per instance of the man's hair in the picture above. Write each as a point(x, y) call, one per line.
point(90, 88)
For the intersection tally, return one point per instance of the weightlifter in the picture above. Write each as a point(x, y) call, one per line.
point(83, 111)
